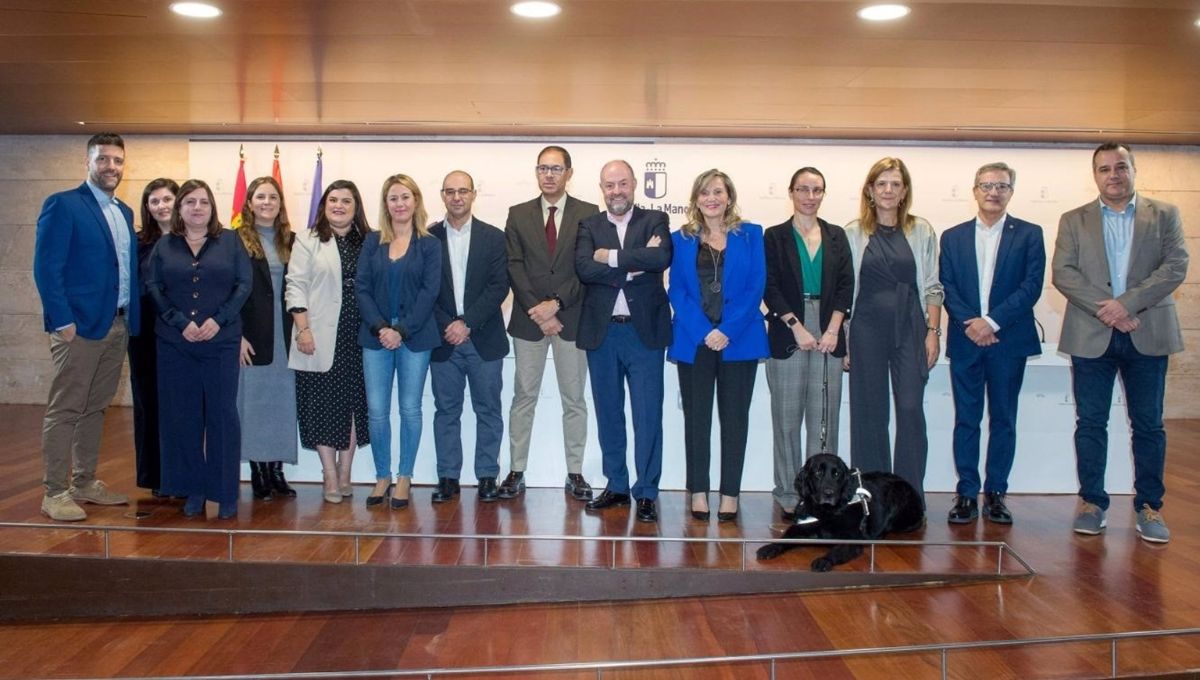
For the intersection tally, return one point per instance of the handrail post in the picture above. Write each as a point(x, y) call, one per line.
point(107, 552)
point(357, 559)
point(945, 668)
point(1000, 560)
point(230, 535)
point(1112, 652)
point(613, 562)
point(872, 558)
point(485, 551)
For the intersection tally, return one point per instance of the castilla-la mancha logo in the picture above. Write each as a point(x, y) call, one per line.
point(655, 184)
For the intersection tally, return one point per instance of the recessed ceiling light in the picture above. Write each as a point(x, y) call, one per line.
point(1198, 22)
point(196, 10)
point(536, 9)
point(883, 12)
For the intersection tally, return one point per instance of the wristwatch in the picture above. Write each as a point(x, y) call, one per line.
point(936, 331)
point(792, 321)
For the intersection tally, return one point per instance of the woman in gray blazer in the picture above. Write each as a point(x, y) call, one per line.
point(895, 331)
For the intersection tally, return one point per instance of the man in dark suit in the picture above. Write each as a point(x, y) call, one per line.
point(1118, 260)
point(85, 267)
point(546, 294)
point(474, 285)
point(992, 269)
point(625, 327)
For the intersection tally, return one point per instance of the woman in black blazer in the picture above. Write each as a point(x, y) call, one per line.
point(399, 275)
point(810, 287)
point(267, 387)
point(199, 276)
point(158, 201)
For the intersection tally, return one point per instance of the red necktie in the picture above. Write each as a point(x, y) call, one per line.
point(551, 232)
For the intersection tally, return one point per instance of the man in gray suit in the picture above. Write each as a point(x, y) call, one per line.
point(1117, 261)
point(546, 302)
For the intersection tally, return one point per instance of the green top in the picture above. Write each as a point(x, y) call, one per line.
point(810, 267)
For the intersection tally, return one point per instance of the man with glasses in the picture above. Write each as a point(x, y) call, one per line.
point(992, 269)
point(546, 300)
point(1118, 260)
point(474, 285)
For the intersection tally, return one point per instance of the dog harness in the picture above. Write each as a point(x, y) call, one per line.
point(861, 495)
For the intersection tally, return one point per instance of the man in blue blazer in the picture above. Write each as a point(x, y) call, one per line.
point(625, 327)
point(992, 269)
point(85, 268)
point(474, 344)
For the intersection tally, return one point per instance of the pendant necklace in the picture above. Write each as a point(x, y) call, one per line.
point(715, 286)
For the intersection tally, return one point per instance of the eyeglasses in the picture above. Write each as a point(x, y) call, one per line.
point(815, 192)
point(555, 170)
point(988, 187)
point(461, 193)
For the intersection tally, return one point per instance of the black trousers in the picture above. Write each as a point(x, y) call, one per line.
point(733, 382)
point(143, 382)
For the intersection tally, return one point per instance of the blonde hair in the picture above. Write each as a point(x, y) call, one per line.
point(283, 227)
point(420, 217)
point(695, 219)
point(866, 205)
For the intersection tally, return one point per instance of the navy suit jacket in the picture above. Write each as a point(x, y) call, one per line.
point(418, 291)
point(745, 279)
point(1016, 285)
point(644, 293)
point(75, 265)
point(484, 291)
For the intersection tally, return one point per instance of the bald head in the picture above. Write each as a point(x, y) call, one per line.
point(618, 184)
point(458, 195)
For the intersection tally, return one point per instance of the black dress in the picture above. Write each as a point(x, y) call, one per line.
point(143, 383)
point(327, 403)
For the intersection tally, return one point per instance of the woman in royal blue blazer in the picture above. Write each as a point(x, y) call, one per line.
point(399, 273)
point(718, 272)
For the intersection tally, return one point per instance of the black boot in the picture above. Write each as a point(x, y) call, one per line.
point(278, 484)
point(260, 481)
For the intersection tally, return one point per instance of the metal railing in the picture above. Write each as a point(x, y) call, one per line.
point(1002, 548)
point(599, 667)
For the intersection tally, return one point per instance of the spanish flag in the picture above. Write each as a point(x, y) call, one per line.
point(239, 190)
point(276, 172)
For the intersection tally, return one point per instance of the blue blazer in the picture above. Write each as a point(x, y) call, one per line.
point(75, 265)
point(484, 291)
point(1016, 286)
point(418, 291)
point(187, 288)
point(745, 277)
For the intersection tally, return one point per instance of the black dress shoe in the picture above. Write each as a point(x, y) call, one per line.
point(578, 487)
point(447, 488)
point(699, 515)
point(512, 486)
point(788, 516)
point(724, 517)
point(487, 490)
point(608, 499)
point(965, 510)
point(994, 509)
point(646, 512)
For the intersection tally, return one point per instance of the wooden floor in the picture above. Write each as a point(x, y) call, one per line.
point(1085, 585)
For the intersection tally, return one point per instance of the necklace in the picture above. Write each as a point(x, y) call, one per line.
point(195, 240)
point(715, 286)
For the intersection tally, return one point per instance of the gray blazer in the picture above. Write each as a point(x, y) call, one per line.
point(1157, 265)
point(534, 275)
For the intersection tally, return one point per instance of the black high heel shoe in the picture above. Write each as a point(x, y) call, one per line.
point(372, 501)
point(724, 517)
point(700, 515)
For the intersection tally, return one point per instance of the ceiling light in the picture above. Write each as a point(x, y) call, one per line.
point(196, 10)
point(536, 9)
point(883, 12)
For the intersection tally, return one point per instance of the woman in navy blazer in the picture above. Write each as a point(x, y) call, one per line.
point(399, 274)
point(718, 273)
point(199, 276)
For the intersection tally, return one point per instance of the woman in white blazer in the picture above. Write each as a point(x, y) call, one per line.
point(331, 399)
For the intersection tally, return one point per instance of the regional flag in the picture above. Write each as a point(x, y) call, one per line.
point(239, 191)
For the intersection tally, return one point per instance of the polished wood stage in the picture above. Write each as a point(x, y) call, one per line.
point(1084, 586)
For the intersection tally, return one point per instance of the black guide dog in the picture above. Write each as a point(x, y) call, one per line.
point(830, 492)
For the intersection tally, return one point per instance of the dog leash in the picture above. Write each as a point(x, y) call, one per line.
point(825, 405)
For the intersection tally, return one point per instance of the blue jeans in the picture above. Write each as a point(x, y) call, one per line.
point(1145, 379)
point(409, 370)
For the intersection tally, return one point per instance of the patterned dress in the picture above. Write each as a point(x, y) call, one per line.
point(328, 403)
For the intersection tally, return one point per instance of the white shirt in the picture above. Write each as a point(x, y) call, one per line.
point(987, 244)
point(621, 307)
point(458, 243)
